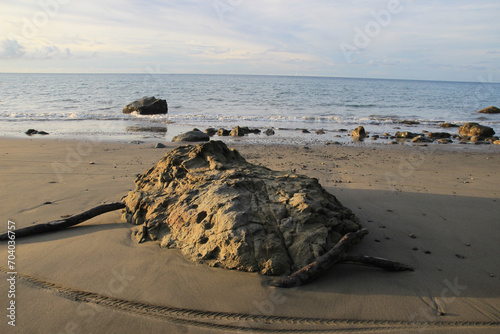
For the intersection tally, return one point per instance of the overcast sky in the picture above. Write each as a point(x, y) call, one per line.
point(406, 39)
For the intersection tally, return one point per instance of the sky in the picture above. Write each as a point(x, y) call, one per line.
point(393, 39)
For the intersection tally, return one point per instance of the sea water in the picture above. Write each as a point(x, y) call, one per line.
point(73, 105)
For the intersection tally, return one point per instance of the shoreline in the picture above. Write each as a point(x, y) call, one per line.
point(447, 198)
point(140, 132)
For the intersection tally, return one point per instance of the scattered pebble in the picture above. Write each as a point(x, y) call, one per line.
point(376, 240)
point(415, 248)
point(381, 226)
point(427, 252)
point(412, 236)
point(389, 210)
point(46, 203)
point(491, 275)
point(91, 163)
point(460, 256)
point(441, 313)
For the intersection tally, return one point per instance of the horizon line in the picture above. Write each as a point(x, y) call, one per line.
point(255, 75)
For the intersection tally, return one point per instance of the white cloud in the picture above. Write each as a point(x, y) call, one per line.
point(10, 48)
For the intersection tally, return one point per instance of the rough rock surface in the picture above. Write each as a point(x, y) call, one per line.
point(359, 132)
point(223, 132)
point(421, 139)
point(438, 135)
point(269, 132)
point(474, 129)
point(406, 134)
point(449, 125)
point(221, 210)
point(147, 106)
point(490, 110)
point(192, 136)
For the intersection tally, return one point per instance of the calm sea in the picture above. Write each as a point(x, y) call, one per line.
point(71, 105)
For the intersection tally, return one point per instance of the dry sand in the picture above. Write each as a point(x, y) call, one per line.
point(446, 198)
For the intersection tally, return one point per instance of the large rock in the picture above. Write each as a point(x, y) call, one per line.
point(192, 136)
point(474, 129)
point(489, 110)
point(147, 106)
point(221, 210)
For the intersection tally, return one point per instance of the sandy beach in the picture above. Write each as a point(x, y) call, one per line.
point(435, 208)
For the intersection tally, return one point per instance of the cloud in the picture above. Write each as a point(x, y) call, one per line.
point(11, 49)
point(49, 52)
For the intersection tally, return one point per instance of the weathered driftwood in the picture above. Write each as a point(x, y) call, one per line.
point(64, 223)
point(336, 255)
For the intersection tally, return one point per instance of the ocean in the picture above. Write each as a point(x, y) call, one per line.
point(90, 105)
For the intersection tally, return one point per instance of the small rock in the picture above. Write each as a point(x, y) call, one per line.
point(359, 132)
point(31, 132)
point(305, 131)
point(393, 143)
point(269, 132)
point(237, 132)
point(412, 236)
point(438, 135)
point(410, 122)
point(449, 125)
point(496, 142)
point(445, 141)
point(223, 132)
point(320, 132)
point(406, 135)
point(489, 110)
point(160, 145)
point(421, 139)
point(211, 131)
point(427, 252)
point(91, 163)
point(415, 248)
point(192, 136)
point(460, 256)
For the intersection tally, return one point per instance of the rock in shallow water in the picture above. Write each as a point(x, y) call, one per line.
point(147, 106)
point(221, 210)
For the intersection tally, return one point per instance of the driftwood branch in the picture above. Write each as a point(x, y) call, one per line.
point(336, 255)
point(64, 223)
point(376, 262)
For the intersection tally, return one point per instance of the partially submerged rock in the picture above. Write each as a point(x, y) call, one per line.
point(438, 135)
point(147, 106)
point(221, 210)
point(192, 136)
point(475, 129)
point(405, 134)
point(358, 133)
point(490, 110)
point(31, 132)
